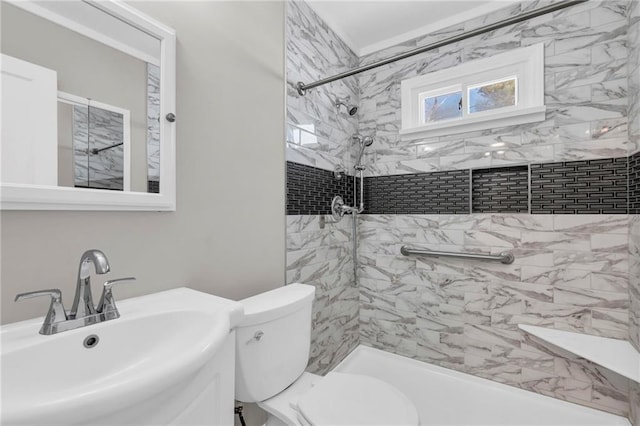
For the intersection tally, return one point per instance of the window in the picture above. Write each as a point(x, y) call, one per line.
point(502, 90)
point(438, 106)
point(493, 95)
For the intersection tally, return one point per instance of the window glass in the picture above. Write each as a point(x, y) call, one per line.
point(493, 95)
point(502, 90)
point(443, 107)
point(308, 137)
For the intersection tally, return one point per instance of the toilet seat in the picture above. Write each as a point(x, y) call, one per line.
point(353, 399)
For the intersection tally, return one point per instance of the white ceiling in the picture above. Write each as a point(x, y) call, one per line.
point(368, 26)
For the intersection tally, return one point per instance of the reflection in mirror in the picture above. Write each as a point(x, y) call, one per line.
point(98, 136)
point(153, 128)
point(105, 102)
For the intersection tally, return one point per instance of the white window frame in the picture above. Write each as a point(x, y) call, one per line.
point(525, 64)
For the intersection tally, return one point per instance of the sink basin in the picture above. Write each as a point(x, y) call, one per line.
point(158, 345)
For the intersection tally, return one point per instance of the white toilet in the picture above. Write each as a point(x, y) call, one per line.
point(272, 350)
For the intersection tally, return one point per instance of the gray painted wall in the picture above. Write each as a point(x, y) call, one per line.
point(227, 235)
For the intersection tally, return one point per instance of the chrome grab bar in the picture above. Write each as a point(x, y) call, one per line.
point(504, 257)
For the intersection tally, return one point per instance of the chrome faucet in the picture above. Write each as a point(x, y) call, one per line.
point(56, 314)
point(107, 304)
point(83, 300)
point(83, 312)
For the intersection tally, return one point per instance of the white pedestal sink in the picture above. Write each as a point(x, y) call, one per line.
point(169, 359)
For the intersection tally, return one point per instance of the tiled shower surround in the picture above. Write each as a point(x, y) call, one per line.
point(572, 268)
point(153, 128)
point(309, 188)
point(320, 255)
point(633, 65)
point(317, 136)
point(97, 128)
point(570, 273)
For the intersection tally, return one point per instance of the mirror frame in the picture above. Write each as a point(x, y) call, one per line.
point(41, 197)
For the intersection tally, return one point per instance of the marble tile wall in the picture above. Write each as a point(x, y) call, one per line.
point(97, 128)
point(634, 309)
point(153, 124)
point(319, 253)
point(634, 76)
point(634, 226)
point(634, 137)
point(570, 273)
point(319, 135)
point(585, 92)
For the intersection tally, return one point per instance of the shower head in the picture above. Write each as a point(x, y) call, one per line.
point(364, 143)
point(351, 109)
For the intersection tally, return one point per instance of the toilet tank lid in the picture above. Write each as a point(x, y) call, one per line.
point(276, 303)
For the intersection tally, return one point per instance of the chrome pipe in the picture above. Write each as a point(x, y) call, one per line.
point(504, 257)
point(360, 154)
point(361, 208)
point(355, 192)
point(354, 237)
point(302, 87)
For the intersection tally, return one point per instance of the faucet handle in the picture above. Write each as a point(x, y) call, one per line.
point(107, 305)
point(56, 311)
point(110, 283)
point(55, 294)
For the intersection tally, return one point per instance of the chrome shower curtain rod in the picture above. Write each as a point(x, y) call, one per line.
point(302, 88)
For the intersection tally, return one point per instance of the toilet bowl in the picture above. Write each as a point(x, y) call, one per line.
point(272, 350)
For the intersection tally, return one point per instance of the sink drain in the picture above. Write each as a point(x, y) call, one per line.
point(91, 341)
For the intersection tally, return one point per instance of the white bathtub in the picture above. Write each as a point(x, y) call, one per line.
point(447, 397)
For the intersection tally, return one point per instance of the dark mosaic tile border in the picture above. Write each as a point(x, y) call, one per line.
point(420, 193)
point(634, 183)
point(153, 186)
point(109, 184)
point(500, 190)
point(310, 189)
point(575, 187)
point(603, 186)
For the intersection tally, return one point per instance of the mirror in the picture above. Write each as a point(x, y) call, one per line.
point(93, 144)
point(86, 89)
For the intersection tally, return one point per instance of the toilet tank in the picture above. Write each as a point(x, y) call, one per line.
point(272, 341)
